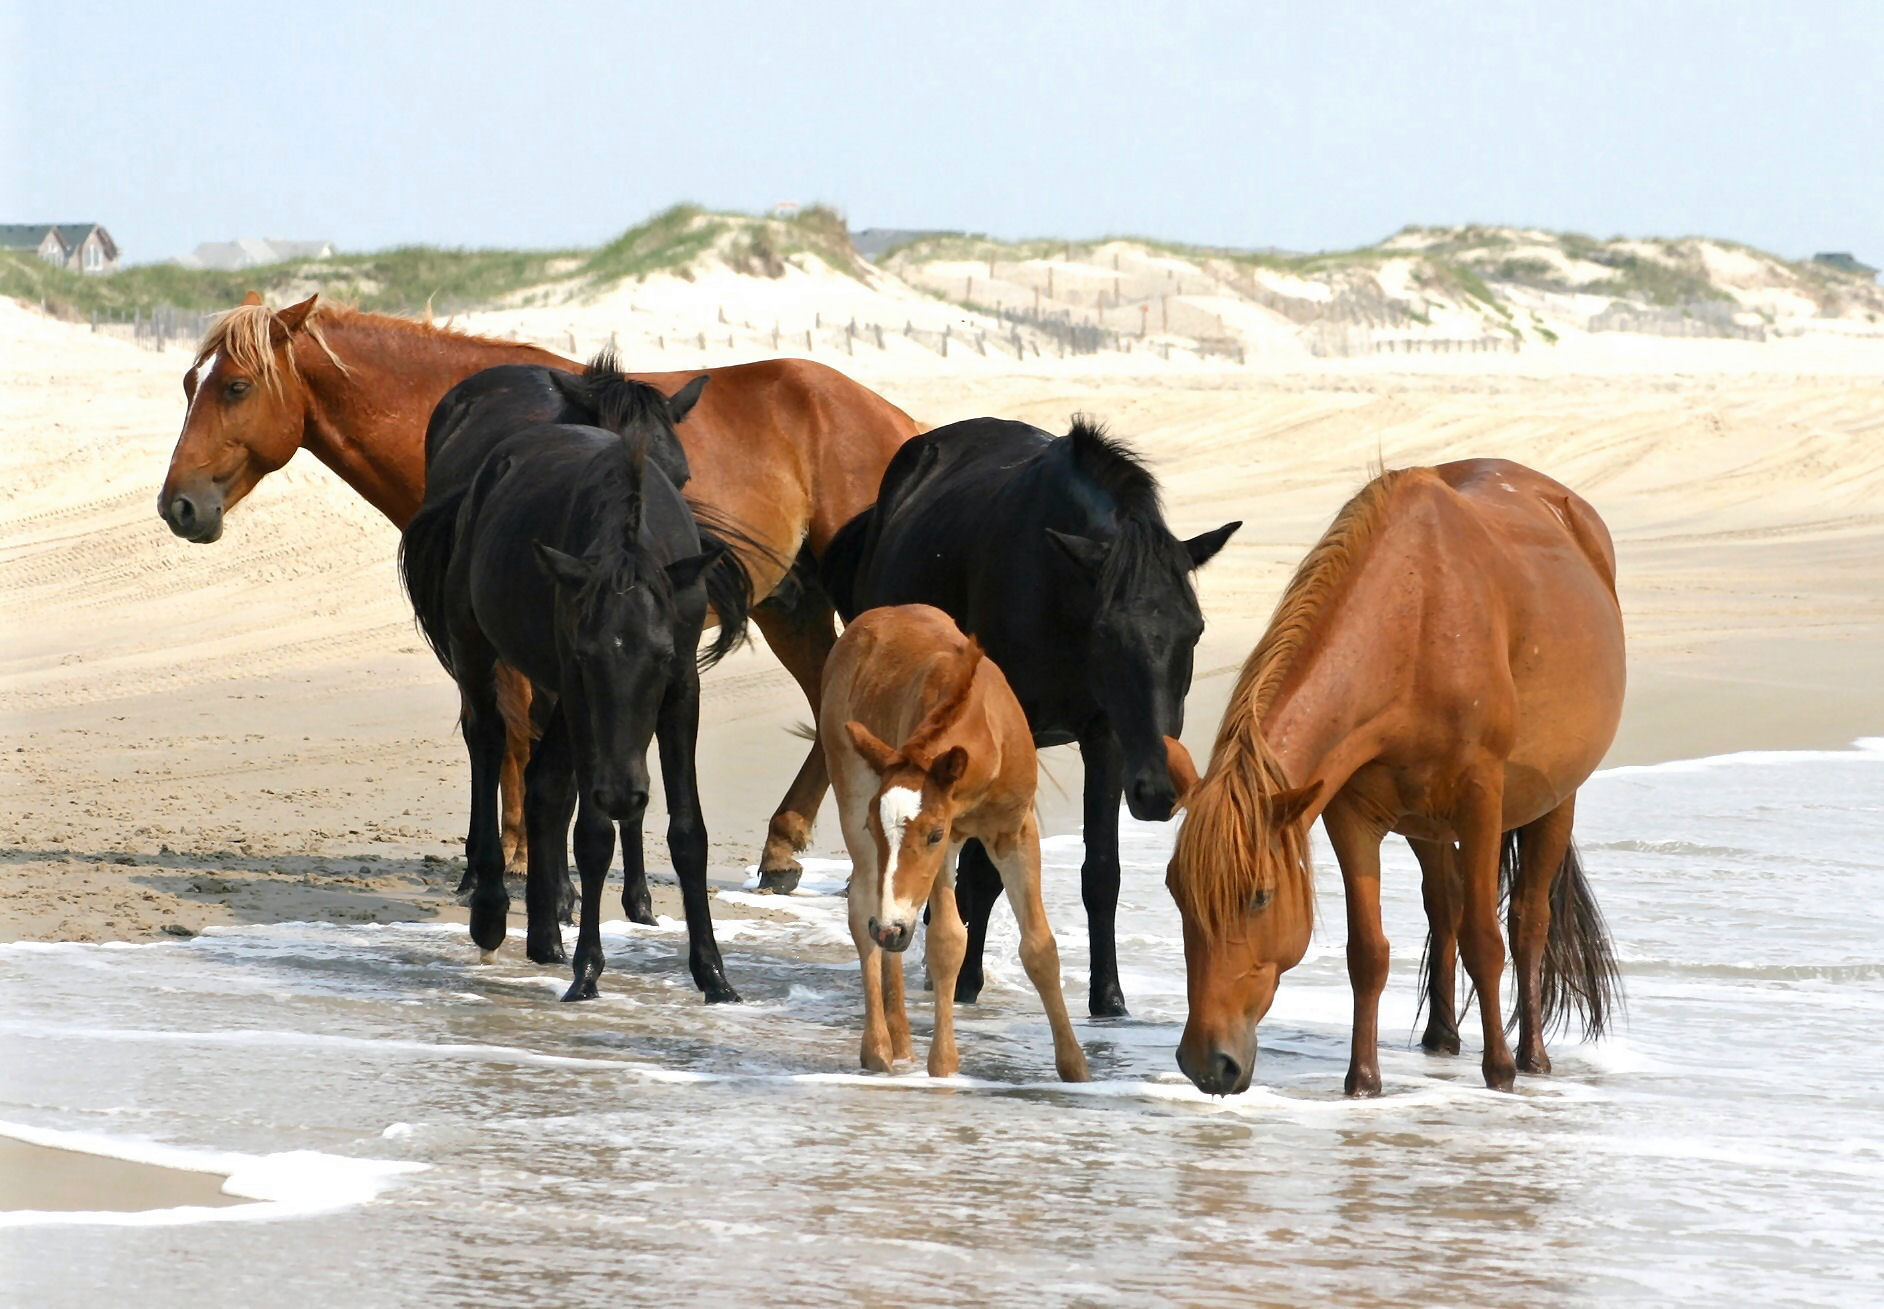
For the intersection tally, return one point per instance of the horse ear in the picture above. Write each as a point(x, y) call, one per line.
point(1202, 549)
point(291, 318)
point(1183, 770)
point(878, 755)
point(1087, 554)
point(948, 767)
point(252, 298)
point(1287, 806)
point(681, 403)
point(683, 573)
point(564, 570)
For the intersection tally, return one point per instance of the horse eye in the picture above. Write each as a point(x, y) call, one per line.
point(617, 641)
point(1260, 901)
point(236, 388)
point(935, 837)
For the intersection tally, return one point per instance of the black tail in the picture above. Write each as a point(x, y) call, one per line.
point(842, 558)
point(1580, 969)
point(424, 560)
point(727, 580)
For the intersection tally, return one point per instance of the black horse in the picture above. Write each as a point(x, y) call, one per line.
point(573, 558)
point(1054, 554)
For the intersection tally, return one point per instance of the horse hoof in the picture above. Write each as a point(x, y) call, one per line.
point(581, 990)
point(1440, 1042)
point(1501, 1078)
point(641, 912)
point(780, 881)
point(1537, 1065)
point(547, 954)
point(1363, 1086)
point(487, 956)
point(967, 992)
point(1107, 1004)
point(722, 994)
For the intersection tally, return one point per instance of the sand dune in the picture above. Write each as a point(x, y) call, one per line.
point(252, 730)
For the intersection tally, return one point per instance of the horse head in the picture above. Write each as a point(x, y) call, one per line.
point(1245, 894)
point(614, 632)
point(909, 816)
point(245, 415)
point(1144, 627)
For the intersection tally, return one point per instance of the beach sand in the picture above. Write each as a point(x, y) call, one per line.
point(43, 1178)
point(252, 731)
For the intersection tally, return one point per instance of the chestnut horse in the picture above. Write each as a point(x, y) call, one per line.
point(1447, 663)
point(964, 769)
point(787, 449)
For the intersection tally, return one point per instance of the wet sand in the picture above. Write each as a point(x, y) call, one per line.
point(43, 1178)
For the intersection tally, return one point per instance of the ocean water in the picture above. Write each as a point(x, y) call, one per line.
point(419, 1126)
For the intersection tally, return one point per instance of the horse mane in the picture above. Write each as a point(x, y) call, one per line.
point(1226, 856)
point(246, 334)
point(1144, 544)
point(939, 719)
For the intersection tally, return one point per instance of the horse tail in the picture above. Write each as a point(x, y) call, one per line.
point(424, 563)
point(1580, 969)
point(837, 570)
point(728, 579)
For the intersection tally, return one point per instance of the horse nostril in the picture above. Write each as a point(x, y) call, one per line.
point(1226, 1073)
point(183, 512)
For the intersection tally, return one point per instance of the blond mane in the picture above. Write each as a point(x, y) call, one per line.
point(246, 335)
point(1224, 858)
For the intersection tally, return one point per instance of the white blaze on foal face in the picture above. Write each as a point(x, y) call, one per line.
point(897, 808)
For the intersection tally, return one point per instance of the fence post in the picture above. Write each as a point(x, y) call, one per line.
point(775, 336)
point(703, 340)
point(946, 329)
point(880, 345)
point(808, 346)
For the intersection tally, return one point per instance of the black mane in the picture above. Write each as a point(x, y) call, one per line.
point(1142, 545)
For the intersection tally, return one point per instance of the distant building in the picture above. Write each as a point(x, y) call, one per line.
point(248, 251)
point(1844, 263)
point(82, 247)
point(875, 242)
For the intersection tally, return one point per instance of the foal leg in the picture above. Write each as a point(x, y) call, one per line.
point(1438, 887)
point(801, 637)
point(875, 1053)
point(1541, 849)
point(1481, 942)
point(1357, 849)
point(595, 850)
point(677, 729)
point(549, 801)
point(946, 942)
point(1099, 874)
point(977, 887)
point(1018, 857)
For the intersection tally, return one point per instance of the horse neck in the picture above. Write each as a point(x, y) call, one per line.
point(1321, 722)
point(368, 422)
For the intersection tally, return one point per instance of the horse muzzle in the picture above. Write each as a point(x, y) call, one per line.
point(894, 937)
point(1151, 799)
point(1217, 1071)
point(193, 516)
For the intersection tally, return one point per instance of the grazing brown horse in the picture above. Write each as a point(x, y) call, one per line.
point(1447, 663)
point(788, 450)
point(964, 770)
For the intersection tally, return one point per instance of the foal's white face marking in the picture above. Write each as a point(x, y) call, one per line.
point(896, 810)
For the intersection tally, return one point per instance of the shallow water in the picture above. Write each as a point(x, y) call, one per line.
point(1728, 1146)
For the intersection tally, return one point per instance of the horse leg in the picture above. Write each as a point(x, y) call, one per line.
point(678, 729)
point(977, 887)
point(483, 843)
point(1357, 849)
point(874, 1054)
point(636, 901)
point(595, 850)
point(945, 945)
point(1541, 849)
point(513, 703)
point(1018, 858)
point(801, 637)
point(1099, 874)
point(549, 800)
point(1438, 887)
point(1481, 942)
point(896, 1008)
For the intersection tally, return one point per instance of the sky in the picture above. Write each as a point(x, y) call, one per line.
point(1304, 126)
